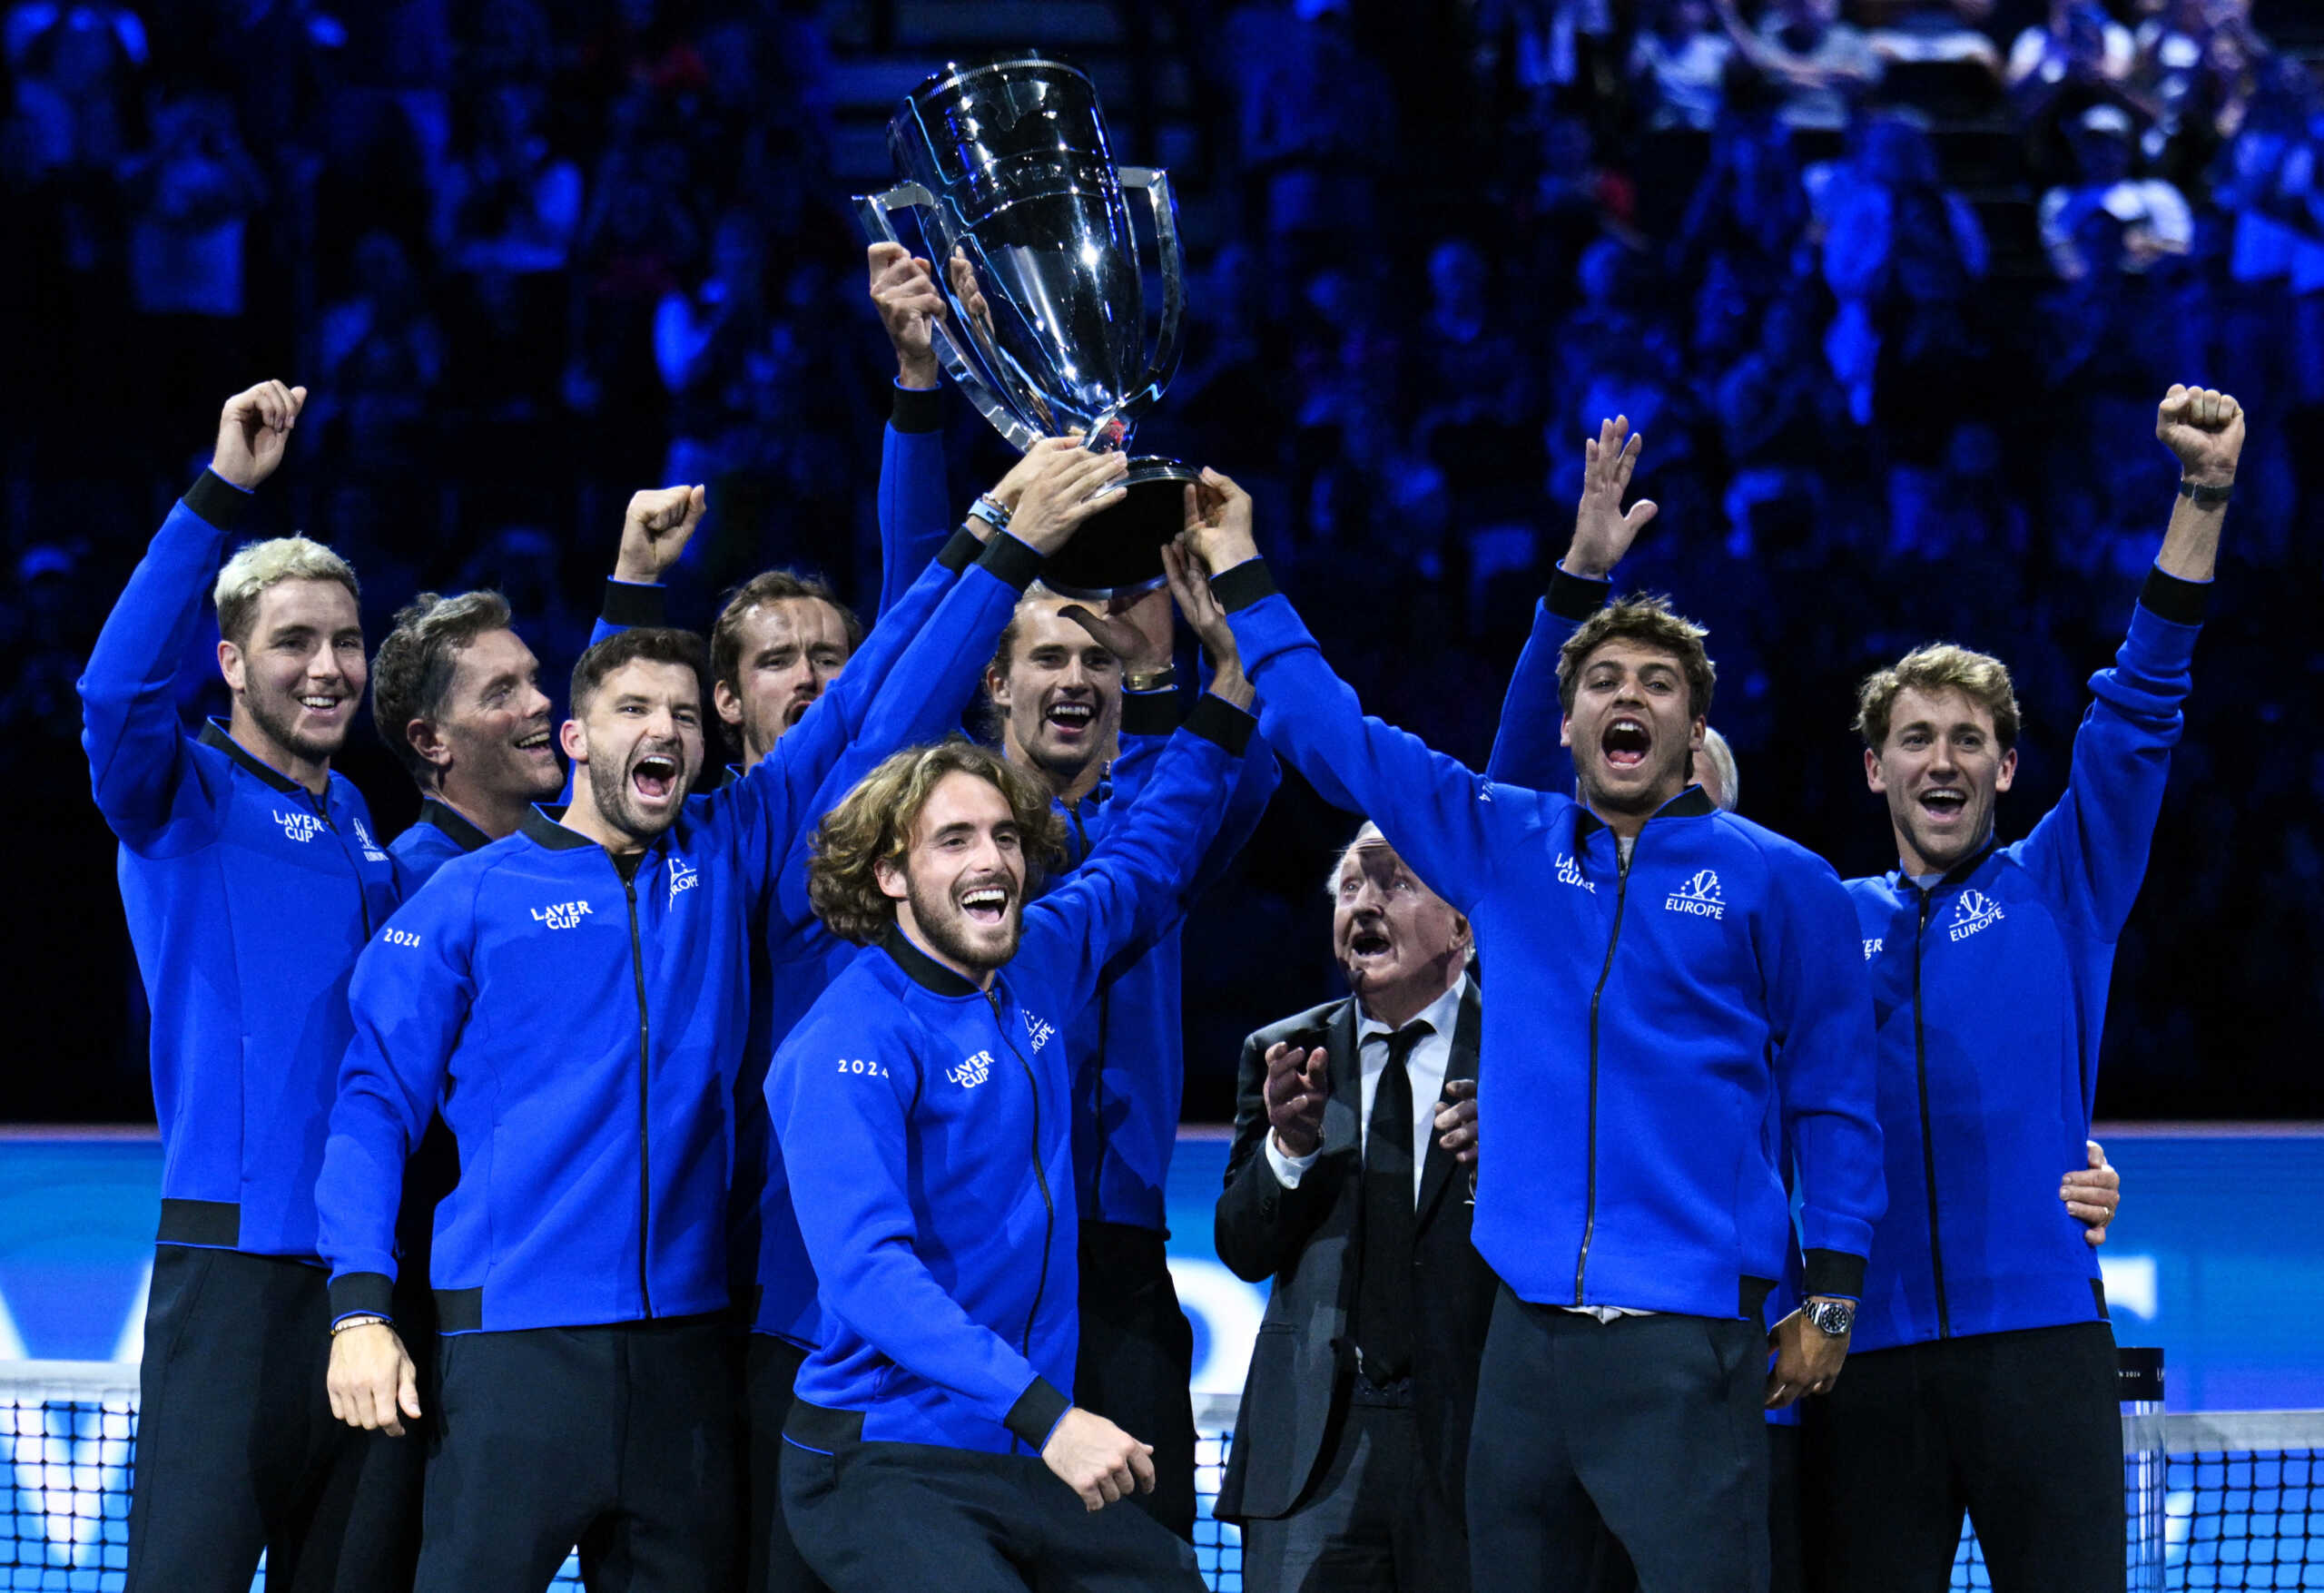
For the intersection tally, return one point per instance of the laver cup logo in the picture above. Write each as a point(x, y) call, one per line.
point(972, 1072)
point(1971, 911)
point(1699, 897)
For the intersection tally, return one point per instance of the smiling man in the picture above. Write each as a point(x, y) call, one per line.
point(575, 999)
point(456, 694)
point(913, 1101)
point(1984, 1379)
point(251, 878)
point(1684, 974)
point(1068, 688)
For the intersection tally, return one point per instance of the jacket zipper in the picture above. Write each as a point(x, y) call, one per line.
point(645, 1143)
point(362, 898)
point(1928, 1138)
point(1040, 1177)
point(1590, 1218)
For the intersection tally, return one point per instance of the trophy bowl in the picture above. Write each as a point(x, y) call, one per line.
point(1006, 165)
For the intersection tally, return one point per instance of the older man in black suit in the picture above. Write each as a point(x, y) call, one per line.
point(1347, 1185)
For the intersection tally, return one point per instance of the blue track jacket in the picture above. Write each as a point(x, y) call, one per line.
point(440, 834)
point(582, 1034)
point(924, 1125)
point(1526, 751)
point(1989, 991)
point(1127, 1044)
point(230, 872)
point(1649, 1020)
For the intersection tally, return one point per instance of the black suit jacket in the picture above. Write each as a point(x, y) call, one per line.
point(1308, 1240)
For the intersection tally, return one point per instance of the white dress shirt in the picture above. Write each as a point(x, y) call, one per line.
point(1425, 1066)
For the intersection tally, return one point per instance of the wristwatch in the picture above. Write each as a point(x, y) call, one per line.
point(1832, 1318)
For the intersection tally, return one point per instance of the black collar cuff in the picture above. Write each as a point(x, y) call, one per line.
point(218, 500)
point(1243, 586)
point(450, 820)
point(926, 972)
point(213, 734)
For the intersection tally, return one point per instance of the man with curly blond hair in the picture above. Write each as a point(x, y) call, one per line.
point(909, 1103)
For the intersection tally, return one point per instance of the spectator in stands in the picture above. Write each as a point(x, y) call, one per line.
point(1924, 31)
point(2157, 225)
point(2081, 57)
point(1679, 65)
point(382, 357)
point(190, 198)
point(1901, 255)
point(1823, 64)
point(2199, 64)
point(509, 205)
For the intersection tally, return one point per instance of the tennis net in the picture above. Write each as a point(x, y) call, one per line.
point(2214, 1501)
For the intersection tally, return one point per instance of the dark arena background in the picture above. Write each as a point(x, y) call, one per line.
point(1894, 324)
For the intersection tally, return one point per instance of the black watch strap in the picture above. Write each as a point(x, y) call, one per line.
point(2205, 497)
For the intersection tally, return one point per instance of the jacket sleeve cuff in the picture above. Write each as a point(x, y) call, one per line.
point(1010, 560)
point(1576, 597)
point(1153, 713)
point(961, 550)
point(1835, 1272)
point(2182, 602)
point(1243, 586)
point(362, 1294)
point(218, 500)
point(918, 409)
point(630, 605)
point(1037, 1412)
point(1215, 719)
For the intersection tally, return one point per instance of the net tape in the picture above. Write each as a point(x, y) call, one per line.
point(2215, 1499)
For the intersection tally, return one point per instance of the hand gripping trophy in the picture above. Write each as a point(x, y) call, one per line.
point(1008, 169)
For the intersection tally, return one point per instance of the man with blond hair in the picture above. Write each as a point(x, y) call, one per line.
point(909, 1103)
point(1685, 974)
point(251, 876)
point(1984, 1378)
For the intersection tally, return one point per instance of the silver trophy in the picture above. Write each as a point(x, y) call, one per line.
point(1007, 165)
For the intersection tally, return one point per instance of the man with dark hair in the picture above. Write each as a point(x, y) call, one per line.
point(1067, 689)
point(1984, 1379)
point(456, 694)
point(1525, 753)
point(906, 1101)
point(575, 998)
point(1684, 972)
point(250, 879)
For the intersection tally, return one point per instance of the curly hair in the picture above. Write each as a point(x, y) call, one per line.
point(412, 673)
point(1938, 667)
point(1650, 621)
point(875, 824)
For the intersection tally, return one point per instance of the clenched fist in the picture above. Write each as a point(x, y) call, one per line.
point(2204, 428)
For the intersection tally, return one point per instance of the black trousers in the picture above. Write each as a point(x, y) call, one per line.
point(770, 1561)
point(619, 1440)
point(1373, 1521)
point(899, 1518)
point(1647, 1428)
point(238, 1452)
point(2022, 1432)
point(1785, 1572)
point(1137, 1358)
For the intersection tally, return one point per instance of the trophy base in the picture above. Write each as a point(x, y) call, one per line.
point(1117, 552)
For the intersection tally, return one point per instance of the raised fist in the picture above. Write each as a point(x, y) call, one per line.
point(254, 429)
point(655, 531)
point(904, 292)
point(2204, 428)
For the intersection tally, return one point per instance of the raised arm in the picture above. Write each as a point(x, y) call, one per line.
point(654, 530)
point(914, 516)
point(1446, 820)
point(1130, 886)
point(910, 676)
point(129, 716)
point(1526, 749)
point(844, 1131)
point(2092, 846)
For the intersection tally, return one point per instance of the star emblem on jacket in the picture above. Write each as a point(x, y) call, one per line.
point(1699, 897)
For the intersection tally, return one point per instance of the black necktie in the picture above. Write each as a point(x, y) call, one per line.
point(1383, 1302)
